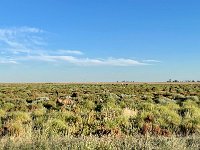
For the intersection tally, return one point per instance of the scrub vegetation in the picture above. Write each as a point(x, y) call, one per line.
point(99, 116)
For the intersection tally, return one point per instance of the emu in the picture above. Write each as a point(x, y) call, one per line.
point(63, 100)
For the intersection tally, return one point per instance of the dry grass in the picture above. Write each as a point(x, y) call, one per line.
point(137, 142)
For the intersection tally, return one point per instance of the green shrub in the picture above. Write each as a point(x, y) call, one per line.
point(2, 113)
point(14, 128)
point(170, 117)
point(39, 112)
point(193, 98)
point(23, 117)
point(89, 105)
point(191, 116)
point(56, 126)
point(146, 106)
point(8, 106)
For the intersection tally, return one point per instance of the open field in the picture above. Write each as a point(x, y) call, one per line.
point(100, 115)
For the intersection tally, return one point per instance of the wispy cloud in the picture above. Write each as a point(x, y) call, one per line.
point(8, 62)
point(151, 60)
point(19, 40)
point(88, 61)
point(75, 52)
point(27, 44)
point(15, 31)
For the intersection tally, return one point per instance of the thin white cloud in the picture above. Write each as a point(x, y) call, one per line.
point(27, 44)
point(19, 40)
point(14, 31)
point(8, 62)
point(151, 60)
point(88, 61)
point(75, 52)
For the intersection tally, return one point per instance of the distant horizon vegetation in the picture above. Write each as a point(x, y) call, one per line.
point(123, 81)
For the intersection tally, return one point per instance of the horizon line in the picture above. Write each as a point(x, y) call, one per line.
point(160, 82)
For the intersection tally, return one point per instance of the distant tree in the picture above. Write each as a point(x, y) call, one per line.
point(170, 80)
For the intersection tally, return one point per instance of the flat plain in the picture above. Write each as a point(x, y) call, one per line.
point(108, 115)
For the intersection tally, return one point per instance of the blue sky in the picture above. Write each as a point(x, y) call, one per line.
point(99, 40)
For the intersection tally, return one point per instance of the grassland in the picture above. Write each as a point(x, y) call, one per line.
point(100, 116)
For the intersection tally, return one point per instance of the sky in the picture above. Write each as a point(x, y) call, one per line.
point(99, 40)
